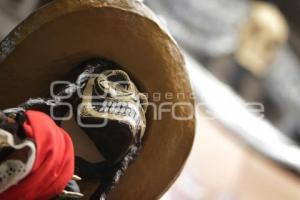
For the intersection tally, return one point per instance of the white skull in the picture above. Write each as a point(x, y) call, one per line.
point(261, 37)
point(113, 97)
point(118, 98)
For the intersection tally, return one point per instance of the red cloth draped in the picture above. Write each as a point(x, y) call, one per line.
point(54, 164)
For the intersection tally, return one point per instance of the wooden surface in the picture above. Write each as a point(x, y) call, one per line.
point(222, 167)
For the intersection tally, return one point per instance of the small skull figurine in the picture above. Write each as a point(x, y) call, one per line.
point(112, 99)
point(261, 37)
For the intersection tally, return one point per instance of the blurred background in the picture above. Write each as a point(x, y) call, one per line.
point(238, 52)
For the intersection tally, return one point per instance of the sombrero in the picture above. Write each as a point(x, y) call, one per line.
point(51, 42)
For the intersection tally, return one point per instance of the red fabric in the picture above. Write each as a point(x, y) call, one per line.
point(54, 164)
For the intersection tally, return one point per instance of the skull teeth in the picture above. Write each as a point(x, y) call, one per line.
point(122, 111)
point(104, 104)
point(121, 108)
point(117, 109)
point(112, 110)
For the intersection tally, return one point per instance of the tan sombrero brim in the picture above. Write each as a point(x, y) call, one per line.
point(55, 39)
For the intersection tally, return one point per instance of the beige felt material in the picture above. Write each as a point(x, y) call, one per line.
point(55, 39)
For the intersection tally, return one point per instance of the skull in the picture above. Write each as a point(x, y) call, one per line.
point(113, 98)
point(261, 37)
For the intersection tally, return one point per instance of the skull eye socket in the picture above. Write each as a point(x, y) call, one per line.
point(123, 87)
point(121, 80)
point(114, 83)
point(117, 78)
